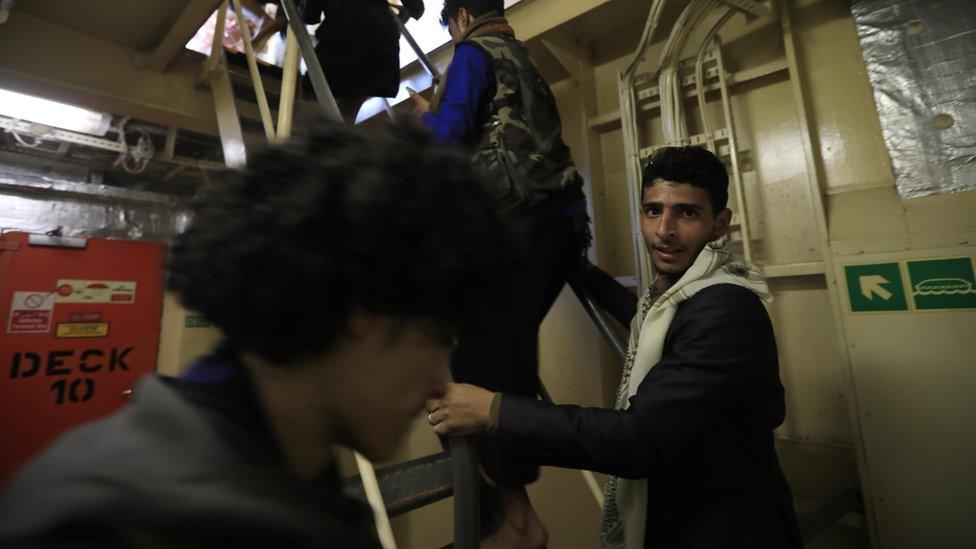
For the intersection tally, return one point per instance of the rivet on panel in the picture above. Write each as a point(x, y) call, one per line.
point(943, 121)
point(915, 27)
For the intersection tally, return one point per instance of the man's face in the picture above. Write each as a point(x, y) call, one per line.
point(458, 24)
point(452, 27)
point(391, 369)
point(677, 222)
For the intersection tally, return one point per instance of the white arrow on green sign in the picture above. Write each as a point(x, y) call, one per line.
point(875, 287)
point(874, 284)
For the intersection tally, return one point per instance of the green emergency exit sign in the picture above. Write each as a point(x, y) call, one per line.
point(943, 283)
point(875, 287)
point(196, 321)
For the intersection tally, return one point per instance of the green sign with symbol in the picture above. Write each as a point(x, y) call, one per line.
point(196, 321)
point(875, 287)
point(943, 283)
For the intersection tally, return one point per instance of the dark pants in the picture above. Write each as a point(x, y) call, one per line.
point(504, 357)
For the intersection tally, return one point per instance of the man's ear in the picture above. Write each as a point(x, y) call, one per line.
point(463, 18)
point(723, 223)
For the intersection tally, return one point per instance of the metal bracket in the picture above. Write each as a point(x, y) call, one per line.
point(749, 7)
point(48, 133)
point(75, 242)
point(209, 70)
point(170, 148)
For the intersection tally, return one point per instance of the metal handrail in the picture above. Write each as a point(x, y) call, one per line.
point(600, 318)
point(832, 511)
point(421, 56)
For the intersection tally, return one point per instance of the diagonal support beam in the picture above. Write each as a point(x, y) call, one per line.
point(186, 25)
point(569, 54)
point(252, 64)
point(214, 70)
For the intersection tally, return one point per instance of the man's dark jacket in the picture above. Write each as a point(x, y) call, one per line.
point(700, 428)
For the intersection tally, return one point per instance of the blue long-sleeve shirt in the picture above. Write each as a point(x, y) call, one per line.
point(466, 90)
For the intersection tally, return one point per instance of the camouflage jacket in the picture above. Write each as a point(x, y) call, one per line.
point(521, 149)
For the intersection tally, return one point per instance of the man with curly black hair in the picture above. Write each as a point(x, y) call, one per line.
point(341, 268)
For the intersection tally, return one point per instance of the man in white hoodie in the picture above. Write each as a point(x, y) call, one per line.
point(689, 444)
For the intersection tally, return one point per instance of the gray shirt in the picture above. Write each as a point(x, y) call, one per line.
point(187, 465)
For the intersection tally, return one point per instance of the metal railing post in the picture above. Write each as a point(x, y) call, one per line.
point(315, 73)
point(467, 493)
point(252, 65)
point(289, 79)
point(371, 487)
point(214, 73)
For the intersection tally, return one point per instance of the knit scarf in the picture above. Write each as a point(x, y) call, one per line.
point(489, 23)
point(625, 507)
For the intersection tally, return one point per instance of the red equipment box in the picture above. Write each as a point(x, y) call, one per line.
point(80, 324)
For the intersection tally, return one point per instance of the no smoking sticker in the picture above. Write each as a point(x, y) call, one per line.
point(30, 313)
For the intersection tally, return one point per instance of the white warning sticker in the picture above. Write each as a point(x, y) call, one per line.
point(31, 312)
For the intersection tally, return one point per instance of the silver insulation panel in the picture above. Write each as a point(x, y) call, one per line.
point(921, 61)
point(38, 203)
